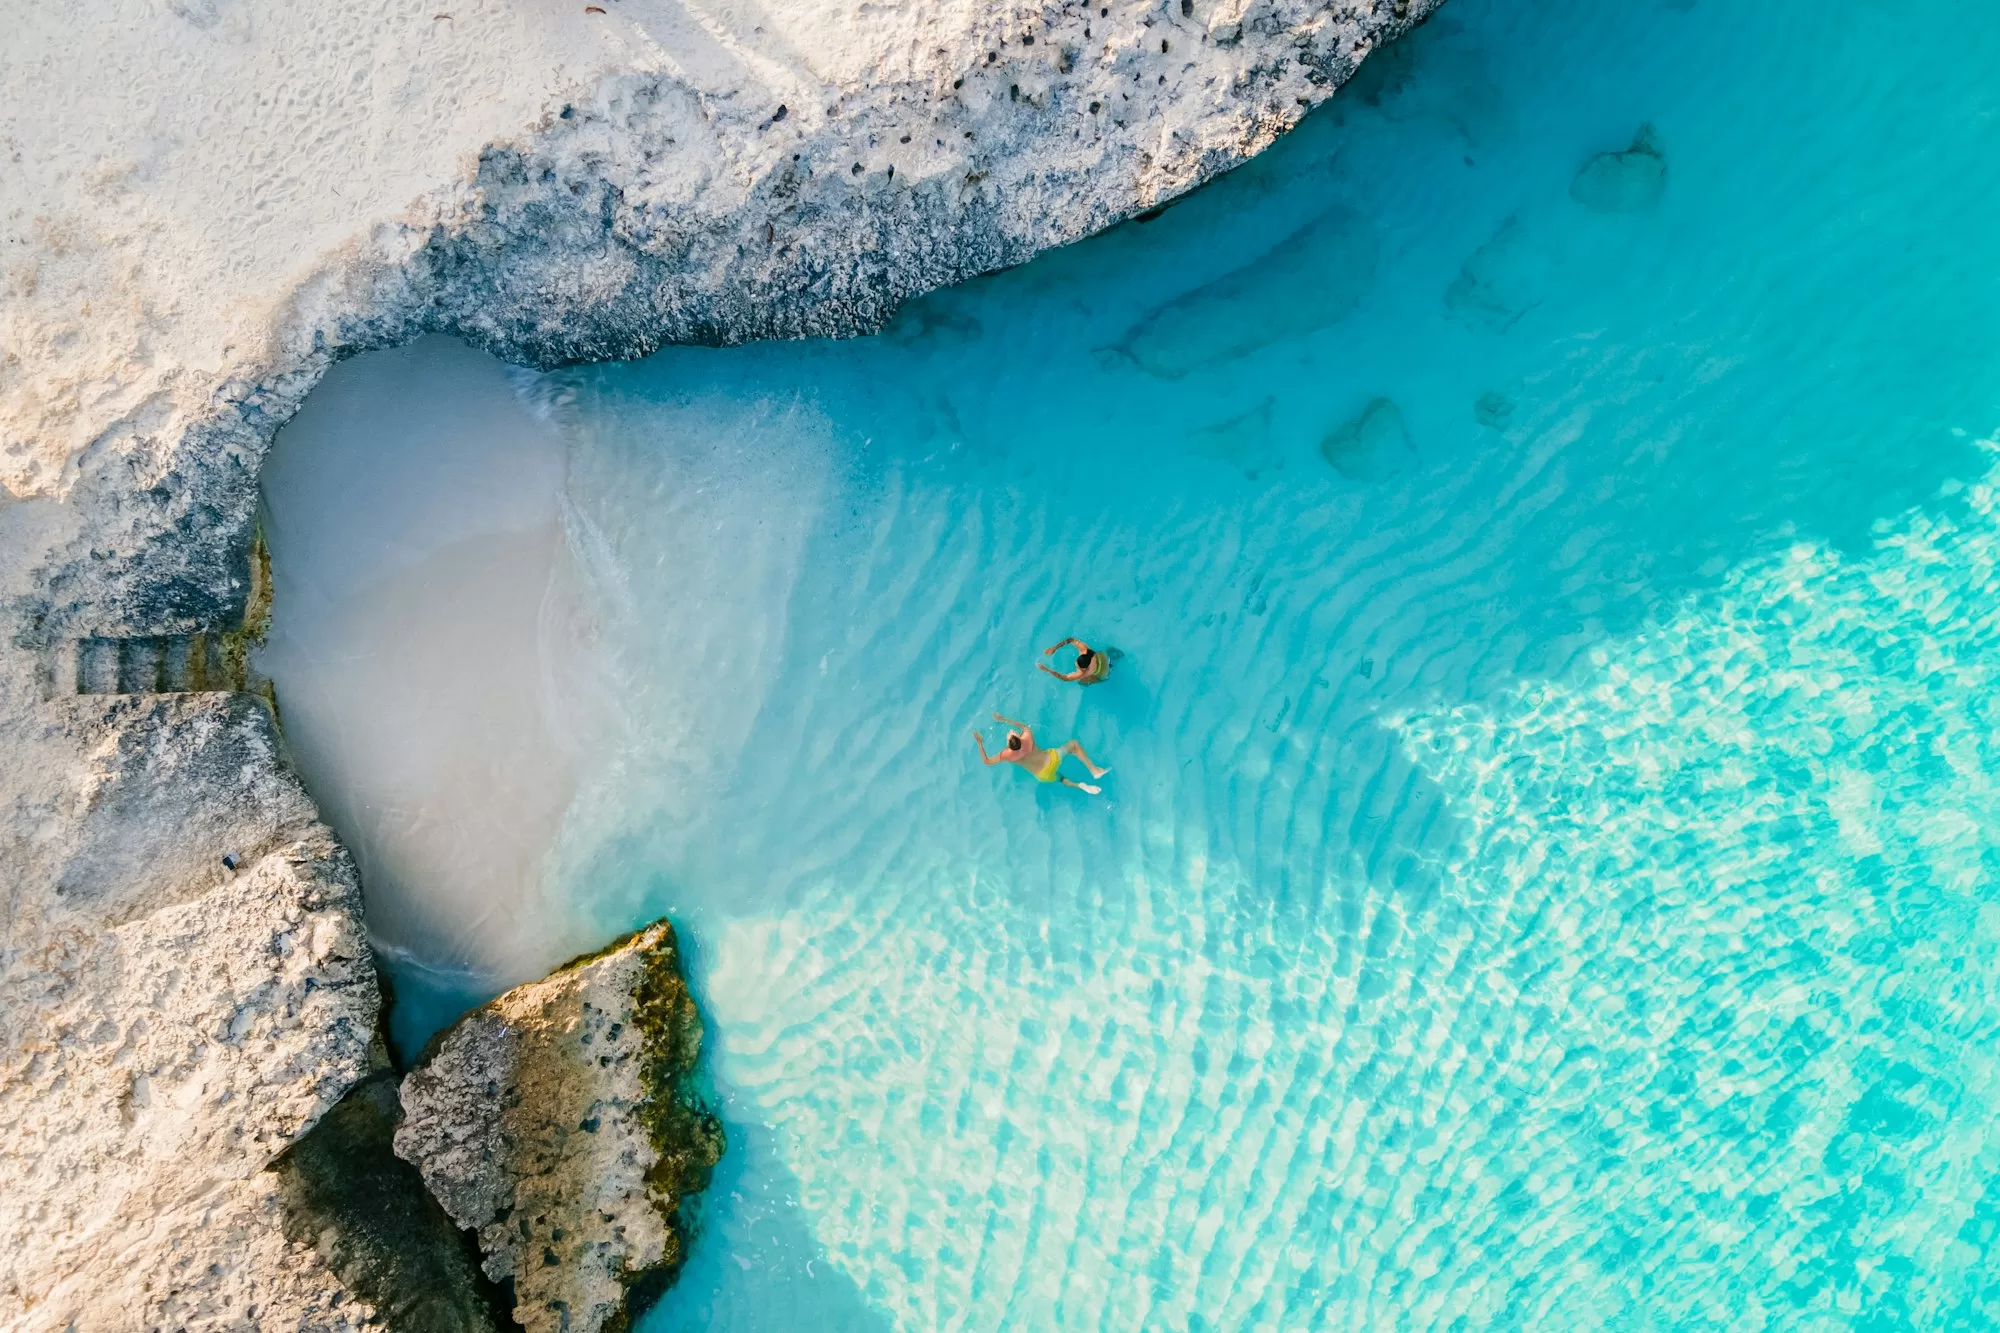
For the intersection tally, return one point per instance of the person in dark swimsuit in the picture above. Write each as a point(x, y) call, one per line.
point(1092, 665)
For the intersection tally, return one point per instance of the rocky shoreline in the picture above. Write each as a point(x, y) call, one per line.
point(186, 990)
point(559, 1124)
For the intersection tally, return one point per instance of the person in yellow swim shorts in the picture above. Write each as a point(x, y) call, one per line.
point(1046, 765)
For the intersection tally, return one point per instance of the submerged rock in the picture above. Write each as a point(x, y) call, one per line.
point(364, 1212)
point(558, 1122)
point(1493, 409)
point(1627, 182)
point(936, 320)
point(1442, 80)
point(1243, 442)
point(1307, 281)
point(1500, 282)
point(1373, 446)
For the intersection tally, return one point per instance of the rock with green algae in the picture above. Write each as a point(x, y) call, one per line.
point(559, 1123)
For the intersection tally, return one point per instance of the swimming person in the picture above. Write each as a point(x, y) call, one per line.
point(1092, 666)
point(1046, 765)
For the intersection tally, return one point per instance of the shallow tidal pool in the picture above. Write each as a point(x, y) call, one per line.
point(1547, 873)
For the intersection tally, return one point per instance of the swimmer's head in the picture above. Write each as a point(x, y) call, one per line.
point(1013, 740)
point(1084, 659)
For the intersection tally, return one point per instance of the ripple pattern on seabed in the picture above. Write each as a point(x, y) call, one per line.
point(1545, 874)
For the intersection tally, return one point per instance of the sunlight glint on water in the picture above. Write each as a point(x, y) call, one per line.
point(1546, 873)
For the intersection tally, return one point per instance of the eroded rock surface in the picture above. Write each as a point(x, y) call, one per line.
point(167, 1027)
point(364, 1212)
point(559, 1123)
point(240, 194)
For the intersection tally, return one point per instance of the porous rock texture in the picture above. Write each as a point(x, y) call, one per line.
point(558, 1122)
point(209, 201)
point(167, 1027)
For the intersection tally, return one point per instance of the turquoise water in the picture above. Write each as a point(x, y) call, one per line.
point(1547, 872)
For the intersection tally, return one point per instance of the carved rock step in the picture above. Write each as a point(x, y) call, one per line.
point(159, 664)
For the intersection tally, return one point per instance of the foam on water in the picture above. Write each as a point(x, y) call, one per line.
point(1546, 873)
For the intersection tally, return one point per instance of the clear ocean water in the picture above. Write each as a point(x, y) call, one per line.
point(1547, 873)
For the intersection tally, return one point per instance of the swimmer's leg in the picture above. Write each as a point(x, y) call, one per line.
point(1072, 747)
point(1083, 786)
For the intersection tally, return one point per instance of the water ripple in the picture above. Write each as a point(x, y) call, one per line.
point(1541, 883)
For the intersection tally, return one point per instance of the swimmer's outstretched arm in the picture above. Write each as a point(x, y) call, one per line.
point(990, 759)
point(1059, 675)
point(1050, 652)
point(1013, 722)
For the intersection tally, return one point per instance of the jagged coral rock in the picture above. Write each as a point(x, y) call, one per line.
point(559, 1123)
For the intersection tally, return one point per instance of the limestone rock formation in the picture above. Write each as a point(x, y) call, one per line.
point(167, 1026)
point(206, 204)
point(559, 1124)
point(243, 194)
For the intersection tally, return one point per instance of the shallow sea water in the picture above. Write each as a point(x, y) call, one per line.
point(1547, 872)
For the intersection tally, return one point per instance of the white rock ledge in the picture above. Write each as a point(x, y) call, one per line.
point(208, 202)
